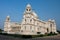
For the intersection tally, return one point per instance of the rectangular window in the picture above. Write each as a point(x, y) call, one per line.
point(30, 27)
point(20, 27)
point(25, 27)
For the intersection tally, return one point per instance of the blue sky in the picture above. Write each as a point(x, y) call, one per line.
point(45, 9)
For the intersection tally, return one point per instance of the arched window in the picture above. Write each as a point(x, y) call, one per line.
point(30, 27)
point(50, 25)
point(25, 19)
point(47, 30)
point(20, 27)
point(38, 29)
point(30, 20)
point(27, 9)
point(21, 30)
point(8, 18)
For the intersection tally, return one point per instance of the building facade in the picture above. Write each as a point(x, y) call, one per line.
point(30, 25)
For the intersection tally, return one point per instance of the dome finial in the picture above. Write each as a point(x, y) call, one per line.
point(28, 5)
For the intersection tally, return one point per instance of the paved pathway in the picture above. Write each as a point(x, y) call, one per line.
point(2, 37)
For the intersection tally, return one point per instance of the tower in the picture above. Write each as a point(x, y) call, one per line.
point(52, 26)
point(7, 24)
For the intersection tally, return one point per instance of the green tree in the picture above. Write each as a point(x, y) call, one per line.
point(1, 30)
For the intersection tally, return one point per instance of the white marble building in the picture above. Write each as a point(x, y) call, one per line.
point(30, 25)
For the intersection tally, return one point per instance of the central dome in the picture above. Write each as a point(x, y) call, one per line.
point(29, 10)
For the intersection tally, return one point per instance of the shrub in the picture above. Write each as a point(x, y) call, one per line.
point(51, 34)
point(58, 31)
point(0, 29)
point(28, 36)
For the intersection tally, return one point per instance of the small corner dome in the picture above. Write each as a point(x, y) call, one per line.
point(28, 5)
point(8, 16)
point(34, 14)
point(49, 20)
point(53, 20)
